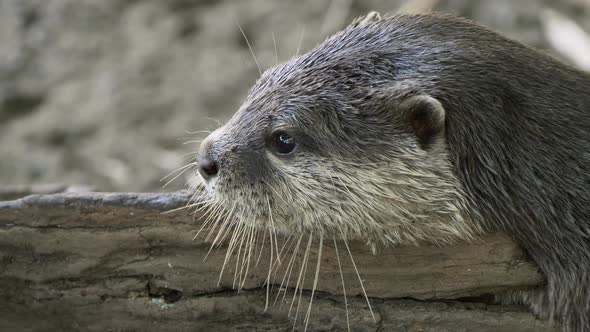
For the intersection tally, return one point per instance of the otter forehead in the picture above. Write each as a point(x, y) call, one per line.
point(376, 52)
point(428, 50)
point(321, 73)
point(315, 89)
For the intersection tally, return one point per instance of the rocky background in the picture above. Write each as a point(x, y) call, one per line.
point(106, 92)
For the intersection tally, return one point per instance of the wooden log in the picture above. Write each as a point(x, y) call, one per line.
point(98, 261)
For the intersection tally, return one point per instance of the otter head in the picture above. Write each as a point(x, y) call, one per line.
point(332, 142)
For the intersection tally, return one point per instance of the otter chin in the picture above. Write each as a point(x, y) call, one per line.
point(411, 129)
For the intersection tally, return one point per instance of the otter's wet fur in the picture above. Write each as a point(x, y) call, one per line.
point(420, 128)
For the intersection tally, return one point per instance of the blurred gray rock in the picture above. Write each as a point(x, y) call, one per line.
point(105, 92)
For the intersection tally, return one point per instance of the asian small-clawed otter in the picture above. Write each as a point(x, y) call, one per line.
point(417, 128)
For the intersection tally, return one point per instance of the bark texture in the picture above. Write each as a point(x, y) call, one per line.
point(116, 262)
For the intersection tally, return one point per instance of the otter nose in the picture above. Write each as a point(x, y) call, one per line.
point(207, 159)
point(208, 168)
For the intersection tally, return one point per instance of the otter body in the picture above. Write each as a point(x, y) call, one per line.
point(422, 127)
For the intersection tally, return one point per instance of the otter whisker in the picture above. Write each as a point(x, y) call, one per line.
point(239, 246)
point(262, 246)
point(250, 245)
point(208, 211)
point(256, 246)
point(196, 132)
point(181, 169)
point(288, 271)
point(215, 217)
point(315, 281)
point(251, 252)
point(214, 214)
point(188, 206)
point(239, 254)
point(279, 262)
point(240, 259)
point(224, 225)
point(345, 192)
point(276, 242)
point(227, 221)
point(274, 43)
point(365, 201)
point(182, 208)
point(300, 41)
point(192, 141)
point(303, 274)
point(208, 205)
point(360, 280)
point(212, 231)
point(343, 288)
point(199, 198)
point(222, 229)
point(275, 191)
point(208, 208)
point(212, 211)
point(230, 249)
point(217, 121)
point(250, 48)
point(224, 236)
point(377, 190)
point(287, 241)
point(198, 195)
point(272, 225)
point(268, 277)
point(188, 155)
point(270, 268)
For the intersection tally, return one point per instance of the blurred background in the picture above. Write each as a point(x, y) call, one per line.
point(106, 92)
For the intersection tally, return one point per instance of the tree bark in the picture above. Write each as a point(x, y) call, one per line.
point(100, 262)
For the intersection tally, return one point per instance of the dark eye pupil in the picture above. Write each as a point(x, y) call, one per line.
point(284, 143)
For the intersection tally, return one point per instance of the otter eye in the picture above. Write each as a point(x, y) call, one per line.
point(283, 143)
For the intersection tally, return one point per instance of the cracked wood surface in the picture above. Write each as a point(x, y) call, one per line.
point(98, 262)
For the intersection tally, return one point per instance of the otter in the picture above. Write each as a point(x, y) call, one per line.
point(414, 128)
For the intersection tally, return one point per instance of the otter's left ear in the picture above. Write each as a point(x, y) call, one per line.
point(364, 20)
point(425, 116)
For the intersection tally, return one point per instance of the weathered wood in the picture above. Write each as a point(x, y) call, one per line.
point(99, 261)
point(18, 191)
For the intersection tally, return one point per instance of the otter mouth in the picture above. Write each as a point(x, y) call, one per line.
point(293, 258)
point(253, 207)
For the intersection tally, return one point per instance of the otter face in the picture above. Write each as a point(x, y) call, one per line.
point(322, 146)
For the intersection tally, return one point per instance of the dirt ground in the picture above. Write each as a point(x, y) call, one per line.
point(106, 92)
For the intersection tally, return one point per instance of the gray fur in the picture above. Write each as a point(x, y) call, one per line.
point(514, 154)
